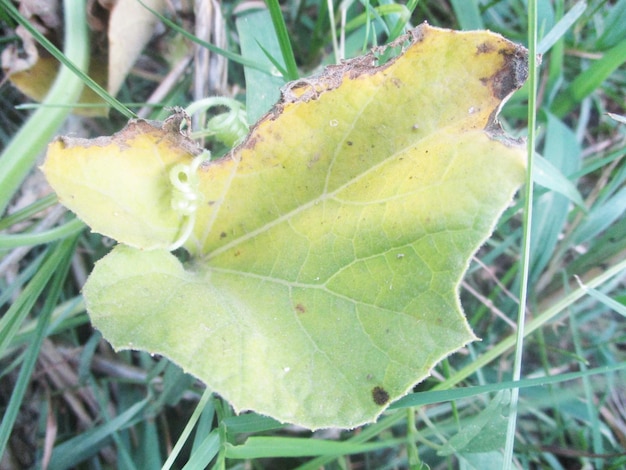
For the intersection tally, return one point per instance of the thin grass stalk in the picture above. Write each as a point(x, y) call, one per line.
point(188, 428)
point(527, 225)
point(29, 211)
point(73, 227)
point(420, 399)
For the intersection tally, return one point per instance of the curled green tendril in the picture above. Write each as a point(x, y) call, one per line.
point(185, 195)
point(230, 128)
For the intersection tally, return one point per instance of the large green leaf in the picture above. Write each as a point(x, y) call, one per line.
point(327, 250)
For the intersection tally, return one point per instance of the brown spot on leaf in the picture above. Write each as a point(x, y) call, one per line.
point(300, 308)
point(513, 73)
point(223, 235)
point(397, 82)
point(314, 159)
point(485, 48)
point(380, 395)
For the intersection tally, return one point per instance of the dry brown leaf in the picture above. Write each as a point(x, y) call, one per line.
point(130, 28)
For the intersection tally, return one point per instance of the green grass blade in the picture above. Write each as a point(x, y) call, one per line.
point(205, 452)
point(275, 63)
point(14, 317)
point(283, 40)
point(549, 176)
point(550, 210)
point(59, 258)
point(614, 305)
point(381, 11)
point(467, 13)
point(20, 155)
point(69, 314)
point(562, 26)
point(149, 454)
point(527, 231)
point(617, 117)
point(78, 449)
point(607, 246)
point(433, 397)
point(592, 410)
point(590, 80)
point(174, 384)
point(204, 426)
point(614, 30)
point(250, 423)
point(601, 217)
point(259, 447)
point(28, 211)
point(258, 43)
point(68, 229)
point(206, 396)
point(365, 434)
point(7, 293)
